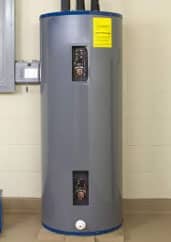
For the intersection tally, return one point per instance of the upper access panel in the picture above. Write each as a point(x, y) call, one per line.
point(7, 57)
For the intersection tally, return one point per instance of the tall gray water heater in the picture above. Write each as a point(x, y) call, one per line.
point(81, 72)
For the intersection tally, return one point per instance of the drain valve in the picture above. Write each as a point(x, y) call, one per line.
point(80, 225)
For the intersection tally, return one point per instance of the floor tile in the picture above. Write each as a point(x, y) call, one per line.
point(148, 228)
point(79, 239)
point(117, 236)
point(137, 228)
point(45, 235)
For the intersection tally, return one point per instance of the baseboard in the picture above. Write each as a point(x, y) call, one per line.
point(21, 205)
point(147, 206)
point(130, 206)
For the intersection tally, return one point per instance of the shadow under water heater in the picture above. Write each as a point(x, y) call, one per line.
point(81, 96)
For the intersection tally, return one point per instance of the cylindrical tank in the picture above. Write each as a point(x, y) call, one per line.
point(81, 72)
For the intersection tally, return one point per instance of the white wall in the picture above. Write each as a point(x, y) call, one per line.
point(147, 99)
point(146, 102)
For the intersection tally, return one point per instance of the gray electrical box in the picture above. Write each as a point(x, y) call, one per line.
point(7, 53)
point(27, 72)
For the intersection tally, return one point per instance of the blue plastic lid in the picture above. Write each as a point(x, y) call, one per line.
point(63, 13)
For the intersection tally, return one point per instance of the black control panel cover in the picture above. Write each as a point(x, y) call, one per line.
point(79, 63)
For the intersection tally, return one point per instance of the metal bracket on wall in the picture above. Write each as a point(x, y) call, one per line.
point(12, 72)
point(7, 49)
point(27, 72)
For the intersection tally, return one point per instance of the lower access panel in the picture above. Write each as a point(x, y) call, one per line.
point(80, 188)
point(81, 84)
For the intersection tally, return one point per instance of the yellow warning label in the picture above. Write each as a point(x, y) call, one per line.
point(102, 32)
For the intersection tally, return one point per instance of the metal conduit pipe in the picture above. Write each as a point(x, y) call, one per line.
point(65, 5)
point(95, 5)
point(80, 5)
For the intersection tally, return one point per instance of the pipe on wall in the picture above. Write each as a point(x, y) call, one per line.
point(65, 5)
point(80, 5)
point(95, 5)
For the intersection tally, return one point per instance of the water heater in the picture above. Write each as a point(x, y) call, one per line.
point(81, 72)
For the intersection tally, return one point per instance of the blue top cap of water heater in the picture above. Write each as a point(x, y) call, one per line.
point(63, 13)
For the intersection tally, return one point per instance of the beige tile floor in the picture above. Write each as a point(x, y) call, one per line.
point(138, 228)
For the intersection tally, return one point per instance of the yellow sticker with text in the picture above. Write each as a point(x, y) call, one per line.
point(102, 32)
